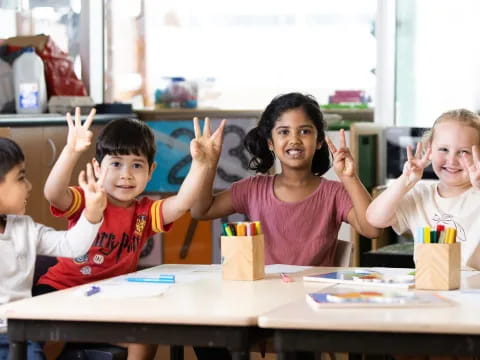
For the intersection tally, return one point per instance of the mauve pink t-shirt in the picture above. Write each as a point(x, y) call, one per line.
point(300, 233)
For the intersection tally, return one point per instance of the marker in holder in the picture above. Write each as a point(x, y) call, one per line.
point(243, 257)
point(438, 263)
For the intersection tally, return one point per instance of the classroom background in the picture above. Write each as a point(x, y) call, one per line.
point(382, 70)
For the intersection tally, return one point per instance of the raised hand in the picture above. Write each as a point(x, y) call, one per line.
point(343, 163)
point(79, 136)
point(95, 195)
point(206, 147)
point(472, 165)
point(413, 168)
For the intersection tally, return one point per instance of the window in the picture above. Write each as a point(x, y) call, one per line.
point(437, 59)
point(240, 53)
point(60, 19)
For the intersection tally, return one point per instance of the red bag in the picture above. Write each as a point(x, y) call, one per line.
point(59, 74)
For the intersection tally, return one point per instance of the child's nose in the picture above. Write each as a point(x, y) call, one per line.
point(295, 138)
point(453, 158)
point(126, 174)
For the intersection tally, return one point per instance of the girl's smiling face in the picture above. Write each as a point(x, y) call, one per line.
point(294, 139)
point(452, 140)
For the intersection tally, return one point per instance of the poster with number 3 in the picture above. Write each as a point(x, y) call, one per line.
point(173, 153)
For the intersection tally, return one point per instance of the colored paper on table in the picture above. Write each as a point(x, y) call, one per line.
point(344, 297)
point(365, 277)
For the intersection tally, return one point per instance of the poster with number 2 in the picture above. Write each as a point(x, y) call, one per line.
point(173, 153)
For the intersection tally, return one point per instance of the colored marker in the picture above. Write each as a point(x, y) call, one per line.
point(453, 239)
point(92, 291)
point(442, 240)
point(285, 278)
point(241, 229)
point(227, 230)
point(232, 229)
point(251, 229)
point(419, 235)
point(258, 227)
point(426, 234)
point(161, 279)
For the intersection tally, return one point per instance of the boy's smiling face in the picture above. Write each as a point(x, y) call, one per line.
point(14, 191)
point(127, 176)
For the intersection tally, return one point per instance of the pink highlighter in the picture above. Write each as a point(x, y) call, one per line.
point(285, 278)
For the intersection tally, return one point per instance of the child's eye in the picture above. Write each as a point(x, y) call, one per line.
point(464, 152)
point(282, 132)
point(305, 131)
point(443, 149)
point(137, 165)
point(115, 163)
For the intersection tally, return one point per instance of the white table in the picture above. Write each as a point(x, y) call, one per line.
point(201, 309)
point(453, 330)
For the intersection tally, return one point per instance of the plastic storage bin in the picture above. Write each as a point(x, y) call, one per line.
point(29, 83)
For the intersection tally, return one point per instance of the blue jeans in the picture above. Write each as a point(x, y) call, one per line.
point(34, 350)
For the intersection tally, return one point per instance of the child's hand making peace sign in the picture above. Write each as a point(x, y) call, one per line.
point(206, 147)
point(343, 162)
point(472, 166)
point(79, 136)
point(413, 168)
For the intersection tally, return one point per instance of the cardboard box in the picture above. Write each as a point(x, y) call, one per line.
point(36, 41)
point(437, 266)
point(243, 257)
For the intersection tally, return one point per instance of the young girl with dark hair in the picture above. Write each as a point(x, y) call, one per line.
point(300, 211)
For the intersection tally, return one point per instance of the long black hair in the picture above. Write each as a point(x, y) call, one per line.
point(256, 141)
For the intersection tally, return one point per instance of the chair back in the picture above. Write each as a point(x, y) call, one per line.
point(343, 253)
point(42, 263)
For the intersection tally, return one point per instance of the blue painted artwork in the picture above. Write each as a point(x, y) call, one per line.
point(173, 153)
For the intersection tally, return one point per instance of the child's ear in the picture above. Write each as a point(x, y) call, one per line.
point(429, 147)
point(152, 169)
point(320, 144)
point(96, 168)
point(270, 144)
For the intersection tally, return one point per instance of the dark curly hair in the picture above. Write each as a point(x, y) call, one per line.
point(126, 137)
point(10, 156)
point(256, 141)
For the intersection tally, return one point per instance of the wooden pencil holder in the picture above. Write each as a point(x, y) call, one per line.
point(243, 257)
point(437, 266)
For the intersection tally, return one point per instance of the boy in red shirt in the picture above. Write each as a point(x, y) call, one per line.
point(125, 150)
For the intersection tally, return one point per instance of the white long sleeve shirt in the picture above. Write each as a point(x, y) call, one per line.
point(23, 239)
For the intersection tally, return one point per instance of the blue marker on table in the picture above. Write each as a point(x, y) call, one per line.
point(161, 279)
point(92, 291)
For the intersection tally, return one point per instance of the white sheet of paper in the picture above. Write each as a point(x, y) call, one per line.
point(281, 268)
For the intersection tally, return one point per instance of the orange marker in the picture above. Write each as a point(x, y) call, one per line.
point(241, 229)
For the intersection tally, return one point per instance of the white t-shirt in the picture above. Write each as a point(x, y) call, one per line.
point(23, 239)
point(423, 206)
